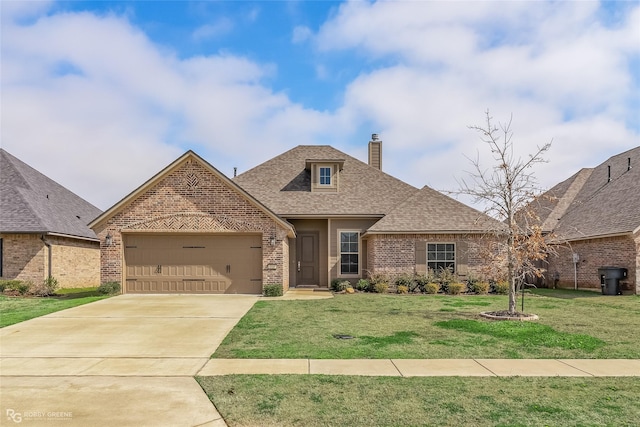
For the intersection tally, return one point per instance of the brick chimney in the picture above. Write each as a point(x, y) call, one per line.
point(375, 152)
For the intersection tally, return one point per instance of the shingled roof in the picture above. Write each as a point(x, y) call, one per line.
point(429, 211)
point(284, 185)
point(590, 205)
point(32, 203)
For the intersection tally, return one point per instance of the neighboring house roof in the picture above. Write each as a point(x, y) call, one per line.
point(32, 203)
point(588, 205)
point(429, 211)
point(189, 155)
point(284, 185)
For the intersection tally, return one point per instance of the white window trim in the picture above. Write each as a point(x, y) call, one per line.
point(339, 257)
point(455, 253)
point(320, 167)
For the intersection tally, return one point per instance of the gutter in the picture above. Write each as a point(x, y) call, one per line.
point(48, 245)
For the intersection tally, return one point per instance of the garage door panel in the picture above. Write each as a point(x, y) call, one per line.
point(193, 264)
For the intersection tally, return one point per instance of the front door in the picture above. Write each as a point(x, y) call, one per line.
point(308, 259)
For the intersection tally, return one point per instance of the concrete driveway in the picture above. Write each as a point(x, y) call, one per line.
point(127, 361)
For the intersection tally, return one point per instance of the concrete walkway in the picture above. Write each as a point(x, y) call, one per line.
point(428, 367)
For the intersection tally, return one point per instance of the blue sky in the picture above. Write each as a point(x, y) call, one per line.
point(101, 95)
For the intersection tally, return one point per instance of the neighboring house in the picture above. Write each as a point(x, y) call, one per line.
point(43, 229)
point(596, 213)
point(303, 218)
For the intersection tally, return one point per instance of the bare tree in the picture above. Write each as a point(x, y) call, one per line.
point(507, 189)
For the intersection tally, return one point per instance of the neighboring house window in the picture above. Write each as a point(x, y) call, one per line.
point(349, 253)
point(441, 256)
point(325, 176)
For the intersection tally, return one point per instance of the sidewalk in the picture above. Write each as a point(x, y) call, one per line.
point(428, 367)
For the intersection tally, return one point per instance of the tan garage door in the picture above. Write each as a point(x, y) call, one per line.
point(193, 264)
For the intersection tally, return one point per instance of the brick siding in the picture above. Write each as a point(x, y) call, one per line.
point(595, 253)
point(191, 199)
point(75, 263)
point(396, 253)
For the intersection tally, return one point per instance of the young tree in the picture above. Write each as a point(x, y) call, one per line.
point(507, 189)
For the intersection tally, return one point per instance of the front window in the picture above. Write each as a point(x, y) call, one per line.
point(441, 256)
point(325, 176)
point(349, 246)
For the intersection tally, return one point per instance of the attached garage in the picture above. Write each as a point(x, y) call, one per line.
point(190, 229)
point(208, 264)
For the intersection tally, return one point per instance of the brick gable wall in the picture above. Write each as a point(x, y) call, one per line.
point(191, 199)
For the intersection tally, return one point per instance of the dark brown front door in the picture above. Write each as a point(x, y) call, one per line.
point(308, 259)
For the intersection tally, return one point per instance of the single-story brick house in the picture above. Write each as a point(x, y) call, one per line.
point(43, 229)
point(596, 212)
point(301, 219)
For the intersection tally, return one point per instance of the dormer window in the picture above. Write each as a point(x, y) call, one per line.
point(325, 174)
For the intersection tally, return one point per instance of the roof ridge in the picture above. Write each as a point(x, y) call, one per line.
point(567, 199)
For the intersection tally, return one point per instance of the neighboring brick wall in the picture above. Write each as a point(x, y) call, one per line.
point(75, 263)
point(24, 257)
point(595, 253)
point(396, 253)
point(191, 199)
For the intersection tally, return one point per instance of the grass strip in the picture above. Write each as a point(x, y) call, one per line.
point(316, 400)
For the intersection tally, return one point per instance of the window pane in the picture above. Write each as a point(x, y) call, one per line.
point(431, 247)
point(344, 247)
point(325, 176)
point(450, 247)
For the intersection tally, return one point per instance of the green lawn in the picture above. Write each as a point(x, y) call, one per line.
point(18, 309)
point(316, 400)
point(572, 325)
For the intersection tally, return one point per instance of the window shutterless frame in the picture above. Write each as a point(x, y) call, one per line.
point(325, 175)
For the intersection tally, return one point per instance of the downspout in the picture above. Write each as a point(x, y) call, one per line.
point(48, 245)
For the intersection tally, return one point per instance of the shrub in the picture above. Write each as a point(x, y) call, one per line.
point(381, 288)
point(402, 289)
point(46, 288)
point(109, 288)
point(445, 277)
point(456, 288)
point(9, 285)
point(16, 287)
point(339, 285)
point(420, 282)
point(379, 278)
point(432, 288)
point(404, 279)
point(363, 285)
point(274, 290)
point(479, 287)
point(501, 288)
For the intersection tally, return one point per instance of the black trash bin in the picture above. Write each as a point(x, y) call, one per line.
point(610, 279)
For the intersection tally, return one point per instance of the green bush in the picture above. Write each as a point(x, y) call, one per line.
point(456, 288)
point(363, 285)
point(379, 278)
point(381, 288)
point(480, 288)
point(402, 289)
point(274, 290)
point(501, 288)
point(46, 288)
point(405, 280)
point(339, 285)
point(16, 286)
point(109, 288)
point(432, 288)
point(9, 285)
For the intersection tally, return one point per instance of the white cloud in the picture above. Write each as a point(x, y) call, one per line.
point(94, 104)
point(301, 34)
point(220, 27)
